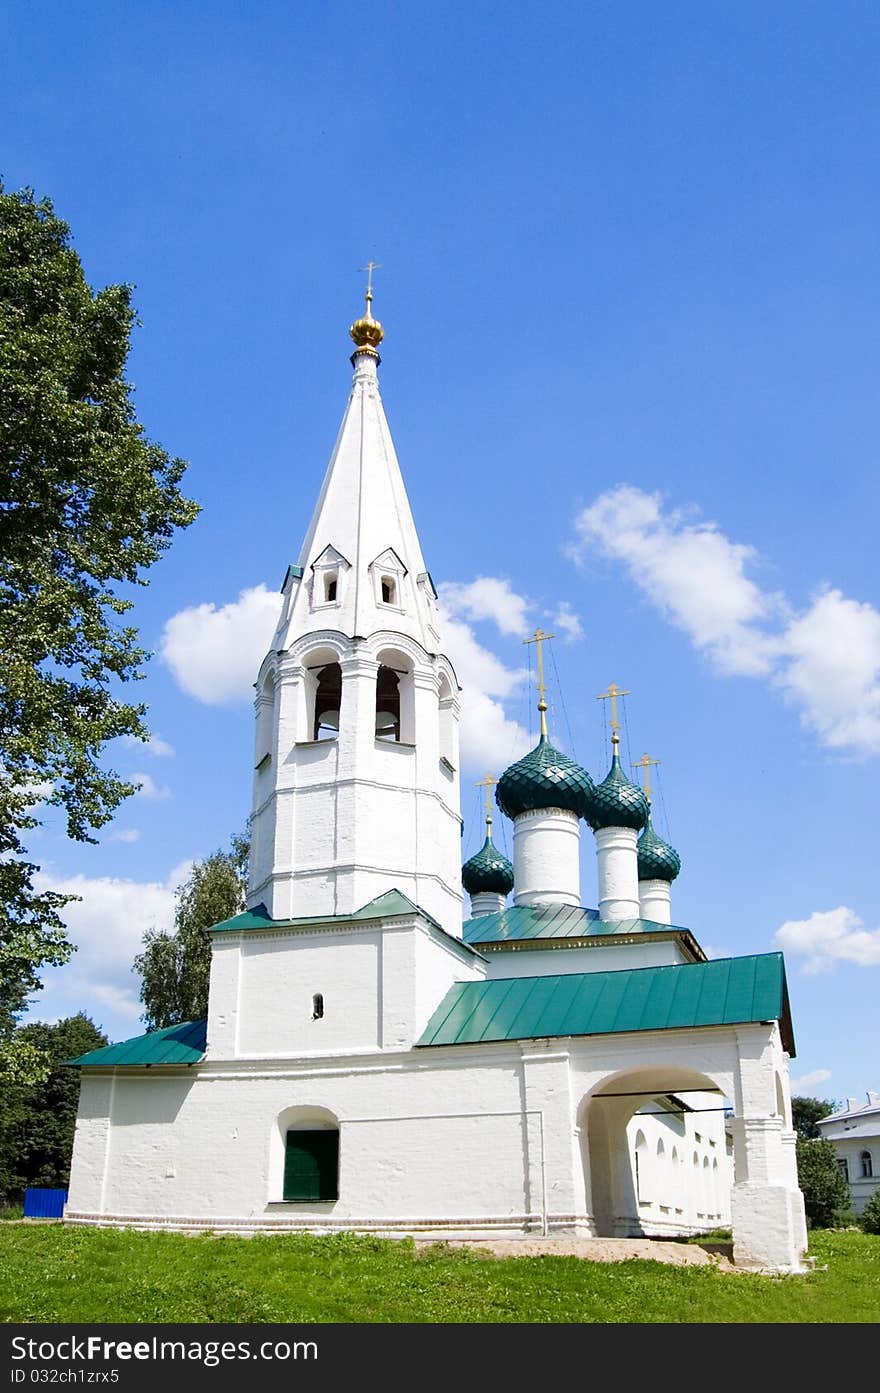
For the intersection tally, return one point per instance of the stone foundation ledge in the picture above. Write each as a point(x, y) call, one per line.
point(507, 1225)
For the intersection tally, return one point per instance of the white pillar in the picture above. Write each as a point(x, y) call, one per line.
point(618, 873)
point(769, 1230)
point(654, 901)
point(546, 857)
point(487, 902)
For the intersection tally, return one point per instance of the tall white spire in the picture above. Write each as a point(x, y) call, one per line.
point(362, 530)
point(356, 786)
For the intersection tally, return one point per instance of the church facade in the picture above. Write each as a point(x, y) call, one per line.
point(373, 1059)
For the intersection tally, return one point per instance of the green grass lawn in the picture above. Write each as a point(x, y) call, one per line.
point(49, 1273)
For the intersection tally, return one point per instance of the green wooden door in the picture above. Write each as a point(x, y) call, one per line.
point(311, 1166)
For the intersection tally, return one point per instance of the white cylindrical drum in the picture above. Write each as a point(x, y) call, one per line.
point(546, 857)
point(618, 873)
point(654, 900)
point(487, 902)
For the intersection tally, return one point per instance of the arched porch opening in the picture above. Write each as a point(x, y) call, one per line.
point(634, 1127)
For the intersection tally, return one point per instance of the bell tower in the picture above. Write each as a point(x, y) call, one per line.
point(356, 779)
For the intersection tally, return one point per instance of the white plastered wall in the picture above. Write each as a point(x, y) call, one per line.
point(494, 1137)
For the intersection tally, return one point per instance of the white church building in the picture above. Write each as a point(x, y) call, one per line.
point(373, 1059)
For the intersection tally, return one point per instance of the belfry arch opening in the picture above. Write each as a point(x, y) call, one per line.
point(328, 702)
point(395, 704)
point(630, 1127)
point(387, 704)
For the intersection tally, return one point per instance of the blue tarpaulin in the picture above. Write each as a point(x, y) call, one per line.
point(44, 1204)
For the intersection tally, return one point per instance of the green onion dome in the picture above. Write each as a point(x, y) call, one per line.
point(545, 778)
point(617, 802)
point(657, 859)
point(488, 870)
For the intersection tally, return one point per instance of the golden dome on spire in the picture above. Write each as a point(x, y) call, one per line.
point(367, 332)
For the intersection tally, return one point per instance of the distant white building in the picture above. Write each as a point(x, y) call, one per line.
point(372, 1059)
point(855, 1135)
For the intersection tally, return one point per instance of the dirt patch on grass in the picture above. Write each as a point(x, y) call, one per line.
point(594, 1250)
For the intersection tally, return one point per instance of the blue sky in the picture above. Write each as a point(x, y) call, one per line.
point(628, 283)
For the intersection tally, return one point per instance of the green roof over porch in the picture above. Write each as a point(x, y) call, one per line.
point(726, 991)
point(176, 1044)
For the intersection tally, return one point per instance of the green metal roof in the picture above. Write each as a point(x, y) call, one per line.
point(393, 904)
point(727, 991)
point(176, 1044)
point(520, 922)
point(386, 906)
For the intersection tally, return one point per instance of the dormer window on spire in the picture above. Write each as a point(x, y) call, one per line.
point(328, 578)
point(387, 573)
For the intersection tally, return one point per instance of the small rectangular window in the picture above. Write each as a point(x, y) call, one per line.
point(311, 1166)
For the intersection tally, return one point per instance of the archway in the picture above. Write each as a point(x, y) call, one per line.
point(631, 1124)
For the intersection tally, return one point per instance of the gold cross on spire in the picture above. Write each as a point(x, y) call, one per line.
point(370, 267)
point(488, 783)
point(538, 638)
point(612, 695)
point(645, 763)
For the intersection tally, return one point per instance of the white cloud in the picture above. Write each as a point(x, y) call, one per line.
point(489, 738)
point(833, 671)
point(148, 788)
point(154, 746)
point(828, 937)
point(487, 597)
point(689, 570)
point(107, 924)
point(716, 950)
point(215, 653)
point(825, 661)
point(127, 834)
point(569, 622)
point(810, 1080)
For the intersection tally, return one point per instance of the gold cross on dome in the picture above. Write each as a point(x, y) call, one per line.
point(538, 638)
point(645, 763)
point(370, 267)
point(488, 783)
point(612, 695)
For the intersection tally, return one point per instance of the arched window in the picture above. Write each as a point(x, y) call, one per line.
point(867, 1165)
point(389, 590)
point(330, 584)
point(328, 702)
point(318, 1006)
point(446, 722)
point(265, 732)
point(643, 1185)
point(387, 704)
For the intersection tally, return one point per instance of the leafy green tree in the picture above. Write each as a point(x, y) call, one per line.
point(175, 968)
point(87, 504)
point(870, 1220)
point(37, 1120)
point(806, 1112)
point(825, 1191)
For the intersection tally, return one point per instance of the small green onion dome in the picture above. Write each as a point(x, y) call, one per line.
point(488, 870)
point(545, 778)
point(617, 802)
point(657, 859)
